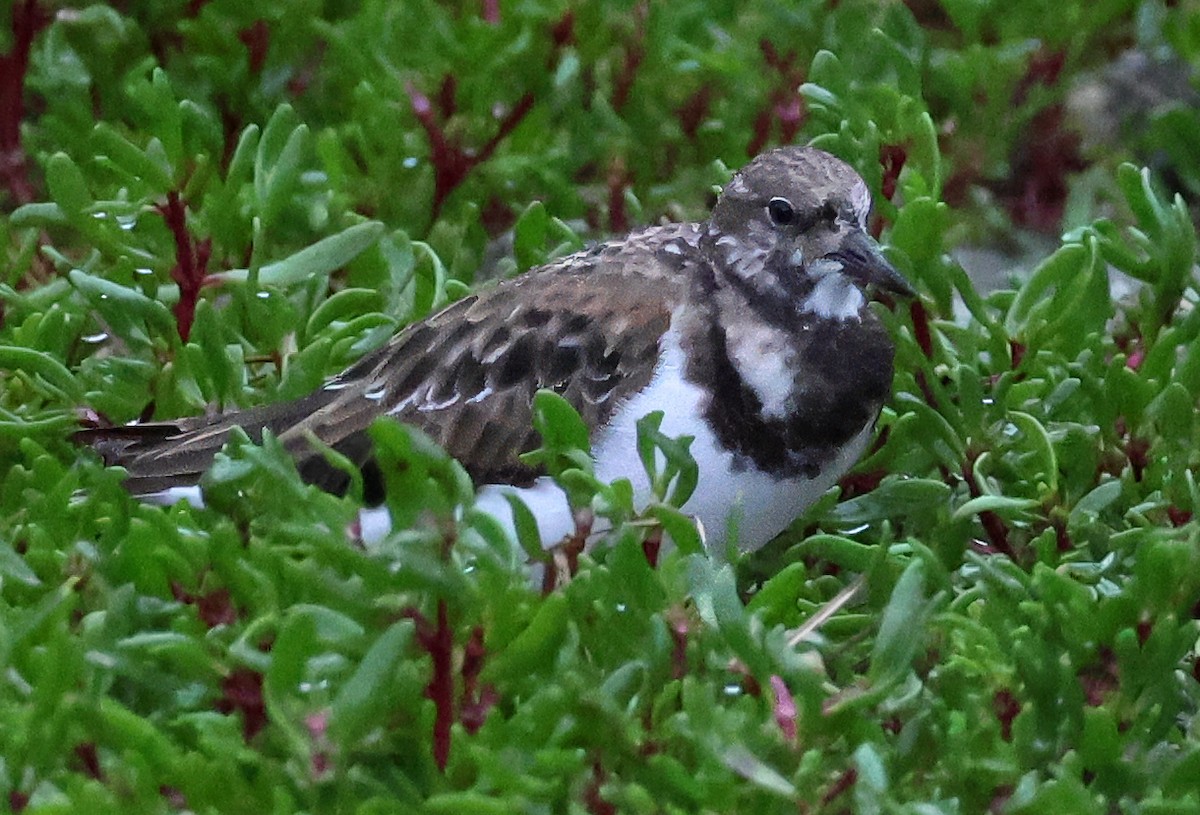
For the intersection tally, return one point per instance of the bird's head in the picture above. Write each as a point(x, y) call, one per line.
point(793, 221)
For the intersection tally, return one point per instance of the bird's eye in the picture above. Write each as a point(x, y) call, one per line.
point(781, 211)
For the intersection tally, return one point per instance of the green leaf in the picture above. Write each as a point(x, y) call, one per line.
point(679, 526)
point(676, 480)
point(343, 306)
point(38, 215)
point(160, 103)
point(1044, 463)
point(130, 158)
point(465, 803)
point(43, 365)
point(222, 364)
point(362, 701)
point(13, 567)
point(280, 182)
point(750, 767)
point(846, 553)
point(895, 497)
point(277, 162)
point(902, 627)
point(562, 430)
point(131, 314)
point(1002, 504)
point(1096, 501)
point(241, 163)
point(529, 236)
point(305, 370)
point(419, 476)
point(536, 645)
point(325, 256)
point(525, 524)
point(68, 188)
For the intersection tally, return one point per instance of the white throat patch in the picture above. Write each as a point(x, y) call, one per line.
point(834, 296)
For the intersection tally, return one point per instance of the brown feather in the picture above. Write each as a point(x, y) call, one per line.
point(587, 326)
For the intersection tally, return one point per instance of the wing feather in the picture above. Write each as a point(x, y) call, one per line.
point(587, 326)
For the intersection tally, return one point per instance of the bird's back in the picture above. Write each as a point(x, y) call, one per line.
point(587, 326)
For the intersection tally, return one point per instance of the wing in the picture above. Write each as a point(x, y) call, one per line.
point(587, 326)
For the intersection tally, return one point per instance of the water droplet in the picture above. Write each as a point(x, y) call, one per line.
point(95, 338)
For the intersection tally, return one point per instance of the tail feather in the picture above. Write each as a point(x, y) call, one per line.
point(160, 456)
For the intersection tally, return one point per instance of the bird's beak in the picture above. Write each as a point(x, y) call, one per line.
point(865, 264)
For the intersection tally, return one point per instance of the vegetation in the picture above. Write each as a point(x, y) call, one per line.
point(218, 204)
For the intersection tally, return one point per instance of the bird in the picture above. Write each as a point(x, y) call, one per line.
point(751, 331)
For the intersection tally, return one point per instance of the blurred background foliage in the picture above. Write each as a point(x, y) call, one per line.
point(214, 204)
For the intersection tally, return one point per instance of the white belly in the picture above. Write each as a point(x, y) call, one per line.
point(754, 505)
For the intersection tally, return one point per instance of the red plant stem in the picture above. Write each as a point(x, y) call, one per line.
point(993, 525)
point(441, 685)
point(476, 698)
point(592, 799)
point(618, 180)
point(27, 21)
point(451, 161)
point(924, 338)
point(507, 125)
point(652, 545)
point(191, 262)
point(450, 165)
point(1007, 707)
point(893, 158)
point(841, 784)
point(926, 389)
point(784, 104)
point(634, 54)
point(257, 39)
point(921, 332)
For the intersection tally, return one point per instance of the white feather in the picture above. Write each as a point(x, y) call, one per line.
point(834, 297)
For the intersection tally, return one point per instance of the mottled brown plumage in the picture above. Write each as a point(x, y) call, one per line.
point(586, 326)
point(750, 330)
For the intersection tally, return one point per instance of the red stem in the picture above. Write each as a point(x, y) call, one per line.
point(993, 525)
point(27, 21)
point(191, 262)
point(784, 104)
point(451, 161)
point(441, 685)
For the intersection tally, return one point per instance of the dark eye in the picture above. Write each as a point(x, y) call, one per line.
point(781, 211)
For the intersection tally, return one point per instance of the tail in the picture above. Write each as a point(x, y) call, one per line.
point(161, 456)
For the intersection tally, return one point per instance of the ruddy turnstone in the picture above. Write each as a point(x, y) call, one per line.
point(751, 331)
